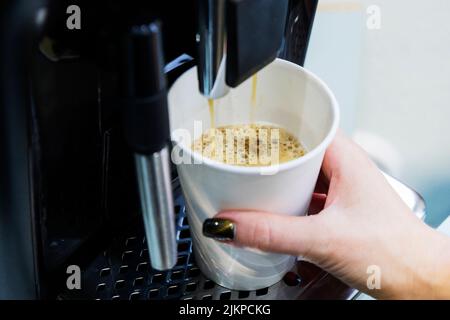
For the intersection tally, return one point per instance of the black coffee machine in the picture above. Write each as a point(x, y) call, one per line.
point(85, 178)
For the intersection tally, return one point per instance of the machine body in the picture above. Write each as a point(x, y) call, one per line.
point(84, 137)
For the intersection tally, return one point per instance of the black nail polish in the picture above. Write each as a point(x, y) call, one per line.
point(219, 229)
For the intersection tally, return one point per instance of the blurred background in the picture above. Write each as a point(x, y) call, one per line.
point(388, 62)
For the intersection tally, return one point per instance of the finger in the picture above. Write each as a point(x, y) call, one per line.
point(346, 166)
point(293, 235)
point(336, 157)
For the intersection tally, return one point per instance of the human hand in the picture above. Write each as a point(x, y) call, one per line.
point(363, 223)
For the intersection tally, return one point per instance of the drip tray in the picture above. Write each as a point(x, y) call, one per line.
point(123, 272)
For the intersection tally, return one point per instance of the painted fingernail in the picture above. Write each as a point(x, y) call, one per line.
point(219, 229)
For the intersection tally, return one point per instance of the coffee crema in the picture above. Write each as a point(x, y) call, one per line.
point(249, 145)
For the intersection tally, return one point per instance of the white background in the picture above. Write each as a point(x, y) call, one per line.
point(393, 85)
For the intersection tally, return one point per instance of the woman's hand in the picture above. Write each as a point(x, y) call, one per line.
point(363, 223)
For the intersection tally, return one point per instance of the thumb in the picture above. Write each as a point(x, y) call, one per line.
point(292, 235)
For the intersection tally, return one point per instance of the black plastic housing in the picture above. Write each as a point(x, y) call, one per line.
point(146, 117)
point(255, 31)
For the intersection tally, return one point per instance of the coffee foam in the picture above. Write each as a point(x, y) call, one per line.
point(249, 145)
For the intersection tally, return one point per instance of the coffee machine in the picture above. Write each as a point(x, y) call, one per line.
point(85, 177)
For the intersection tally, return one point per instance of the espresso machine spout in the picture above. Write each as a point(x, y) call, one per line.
point(235, 39)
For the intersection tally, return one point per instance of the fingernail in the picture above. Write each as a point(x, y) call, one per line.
point(219, 229)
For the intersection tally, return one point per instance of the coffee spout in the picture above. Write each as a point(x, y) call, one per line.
point(236, 39)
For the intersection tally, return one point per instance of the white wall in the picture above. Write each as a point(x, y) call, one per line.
point(393, 85)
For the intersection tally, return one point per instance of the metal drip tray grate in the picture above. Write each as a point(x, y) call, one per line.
point(123, 272)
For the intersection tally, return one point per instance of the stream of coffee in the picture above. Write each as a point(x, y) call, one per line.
point(212, 114)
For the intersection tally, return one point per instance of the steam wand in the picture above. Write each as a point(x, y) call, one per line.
point(146, 124)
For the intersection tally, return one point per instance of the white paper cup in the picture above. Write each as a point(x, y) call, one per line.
point(287, 96)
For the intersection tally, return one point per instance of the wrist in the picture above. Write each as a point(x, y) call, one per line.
point(439, 275)
point(431, 278)
point(424, 271)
